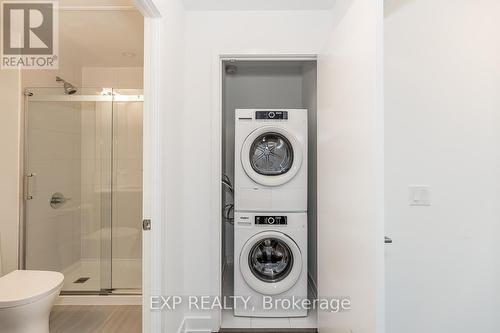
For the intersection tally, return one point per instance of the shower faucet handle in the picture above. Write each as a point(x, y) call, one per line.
point(57, 200)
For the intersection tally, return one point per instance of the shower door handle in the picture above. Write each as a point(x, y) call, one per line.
point(29, 183)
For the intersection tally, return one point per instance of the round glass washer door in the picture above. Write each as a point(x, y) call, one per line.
point(270, 262)
point(271, 156)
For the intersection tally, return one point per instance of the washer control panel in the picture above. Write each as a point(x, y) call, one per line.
point(270, 115)
point(270, 220)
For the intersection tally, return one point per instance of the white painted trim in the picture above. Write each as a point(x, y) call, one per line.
point(152, 199)
point(216, 145)
point(380, 150)
point(147, 8)
point(99, 300)
point(267, 57)
point(216, 195)
point(195, 324)
point(96, 8)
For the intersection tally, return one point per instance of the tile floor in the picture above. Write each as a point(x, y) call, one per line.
point(96, 319)
point(127, 319)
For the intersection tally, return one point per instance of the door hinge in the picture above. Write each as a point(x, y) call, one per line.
point(146, 224)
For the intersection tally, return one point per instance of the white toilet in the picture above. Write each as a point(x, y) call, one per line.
point(26, 299)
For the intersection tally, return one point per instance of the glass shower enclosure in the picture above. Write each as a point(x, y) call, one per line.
point(83, 187)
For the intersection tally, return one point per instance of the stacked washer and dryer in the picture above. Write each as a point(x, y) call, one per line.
point(270, 220)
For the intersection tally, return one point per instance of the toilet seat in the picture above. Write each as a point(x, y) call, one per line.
point(23, 287)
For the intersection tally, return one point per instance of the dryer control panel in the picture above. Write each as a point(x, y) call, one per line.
point(270, 115)
point(270, 220)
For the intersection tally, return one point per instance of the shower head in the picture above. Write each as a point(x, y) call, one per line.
point(69, 89)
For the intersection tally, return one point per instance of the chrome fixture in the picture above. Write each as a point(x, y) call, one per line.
point(57, 200)
point(146, 224)
point(69, 89)
point(28, 186)
point(231, 69)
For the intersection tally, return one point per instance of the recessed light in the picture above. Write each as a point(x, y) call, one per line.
point(128, 54)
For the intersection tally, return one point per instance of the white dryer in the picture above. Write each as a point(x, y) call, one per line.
point(271, 160)
point(270, 260)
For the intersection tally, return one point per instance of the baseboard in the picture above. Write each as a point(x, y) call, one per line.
point(99, 300)
point(268, 330)
point(312, 286)
point(195, 324)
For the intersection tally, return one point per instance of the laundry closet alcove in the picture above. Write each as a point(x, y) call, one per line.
point(343, 42)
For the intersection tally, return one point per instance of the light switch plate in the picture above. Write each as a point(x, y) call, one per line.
point(420, 195)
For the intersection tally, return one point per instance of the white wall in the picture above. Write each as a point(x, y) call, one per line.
point(443, 130)
point(209, 34)
point(350, 170)
point(10, 123)
point(112, 77)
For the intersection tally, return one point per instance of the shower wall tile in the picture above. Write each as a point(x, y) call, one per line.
point(127, 213)
point(96, 176)
point(127, 199)
point(54, 157)
point(116, 154)
point(56, 116)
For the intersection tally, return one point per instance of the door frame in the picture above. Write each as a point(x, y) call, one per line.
point(151, 198)
point(216, 166)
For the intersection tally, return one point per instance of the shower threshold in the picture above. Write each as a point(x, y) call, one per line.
point(86, 277)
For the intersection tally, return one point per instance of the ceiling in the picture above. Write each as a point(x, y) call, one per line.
point(259, 4)
point(100, 38)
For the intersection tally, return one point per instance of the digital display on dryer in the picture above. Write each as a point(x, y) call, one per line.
point(270, 115)
point(270, 220)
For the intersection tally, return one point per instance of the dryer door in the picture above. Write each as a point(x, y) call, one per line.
point(270, 262)
point(271, 156)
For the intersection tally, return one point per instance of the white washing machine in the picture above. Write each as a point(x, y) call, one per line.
point(270, 260)
point(271, 160)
